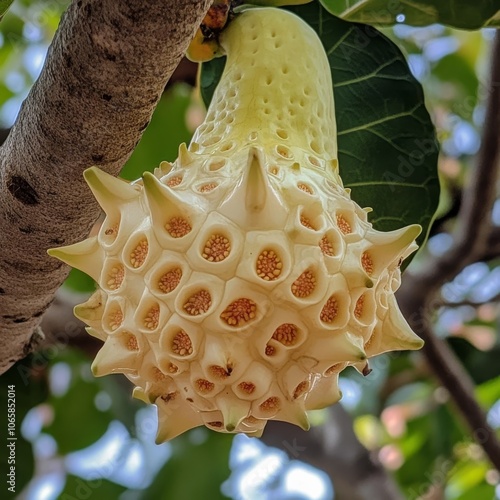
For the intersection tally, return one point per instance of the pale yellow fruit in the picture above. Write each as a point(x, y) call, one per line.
point(236, 283)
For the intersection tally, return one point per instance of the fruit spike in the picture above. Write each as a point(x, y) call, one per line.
point(108, 190)
point(254, 203)
point(237, 282)
point(86, 255)
point(184, 157)
point(91, 312)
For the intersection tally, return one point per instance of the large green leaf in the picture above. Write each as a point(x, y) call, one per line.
point(387, 146)
point(463, 14)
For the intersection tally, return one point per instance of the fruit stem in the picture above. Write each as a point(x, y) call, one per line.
point(267, 98)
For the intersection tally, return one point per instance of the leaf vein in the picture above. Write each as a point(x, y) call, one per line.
point(367, 126)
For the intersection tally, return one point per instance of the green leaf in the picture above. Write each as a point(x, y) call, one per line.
point(4, 6)
point(462, 14)
point(209, 78)
point(420, 454)
point(428, 446)
point(413, 392)
point(387, 146)
point(483, 490)
point(194, 470)
point(456, 71)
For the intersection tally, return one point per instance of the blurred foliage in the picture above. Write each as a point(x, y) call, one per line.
point(399, 412)
point(4, 5)
point(205, 457)
point(25, 33)
point(75, 402)
point(76, 488)
point(419, 434)
point(462, 14)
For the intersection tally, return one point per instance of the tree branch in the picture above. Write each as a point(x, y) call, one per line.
point(474, 218)
point(492, 250)
point(105, 71)
point(472, 238)
point(334, 448)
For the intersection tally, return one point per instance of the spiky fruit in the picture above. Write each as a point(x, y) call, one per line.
point(238, 282)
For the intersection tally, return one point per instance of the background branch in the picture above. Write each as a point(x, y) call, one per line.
point(104, 73)
point(492, 250)
point(474, 218)
point(472, 238)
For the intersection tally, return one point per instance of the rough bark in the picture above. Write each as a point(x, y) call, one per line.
point(103, 76)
